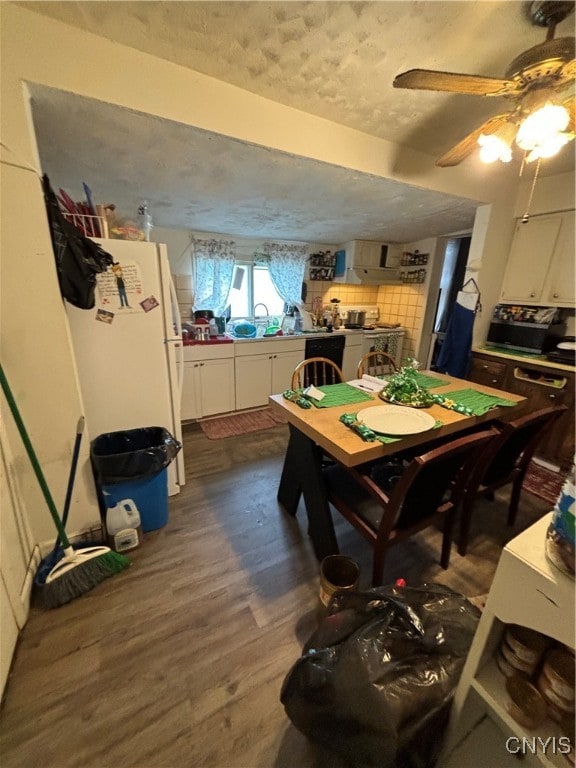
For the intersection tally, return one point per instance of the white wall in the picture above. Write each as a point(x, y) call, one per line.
point(37, 358)
point(551, 194)
point(36, 49)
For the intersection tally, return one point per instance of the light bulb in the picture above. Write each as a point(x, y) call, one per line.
point(549, 147)
point(541, 125)
point(493, 148)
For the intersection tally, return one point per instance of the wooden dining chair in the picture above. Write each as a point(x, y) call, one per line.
point(316, 371)
point(505, 462)
point(428, 491)
point(376, 364)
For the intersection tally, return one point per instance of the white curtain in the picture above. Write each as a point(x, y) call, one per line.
point(287, 264)
point(213, 262)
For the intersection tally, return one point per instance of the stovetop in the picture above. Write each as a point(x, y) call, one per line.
point(371, 324)
point(372, 312)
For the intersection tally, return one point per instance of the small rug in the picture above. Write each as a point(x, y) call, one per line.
point(240, 423)
point(543, 483)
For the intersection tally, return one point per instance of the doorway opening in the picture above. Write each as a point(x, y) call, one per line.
point(451, 281)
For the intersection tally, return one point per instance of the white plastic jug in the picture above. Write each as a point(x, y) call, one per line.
point(123, 525)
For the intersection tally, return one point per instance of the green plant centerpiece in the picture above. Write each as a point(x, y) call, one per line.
point(403, 388)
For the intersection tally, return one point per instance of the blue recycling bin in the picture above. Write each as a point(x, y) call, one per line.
point(132, 464)
point(150, 494)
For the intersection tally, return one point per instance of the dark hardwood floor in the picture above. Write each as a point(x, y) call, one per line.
point(179, 660)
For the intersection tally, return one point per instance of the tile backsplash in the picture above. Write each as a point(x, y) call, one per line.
point(402, 304)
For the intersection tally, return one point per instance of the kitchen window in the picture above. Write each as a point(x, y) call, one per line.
point(252, 285)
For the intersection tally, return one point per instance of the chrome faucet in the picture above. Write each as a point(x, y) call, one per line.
point(261, 304)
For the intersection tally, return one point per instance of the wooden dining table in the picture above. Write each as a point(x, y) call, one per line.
point(315, 432)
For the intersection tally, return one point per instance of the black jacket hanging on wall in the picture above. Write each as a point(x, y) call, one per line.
point(78, 259)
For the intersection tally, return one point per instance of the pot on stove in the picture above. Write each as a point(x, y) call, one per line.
point(356, 317)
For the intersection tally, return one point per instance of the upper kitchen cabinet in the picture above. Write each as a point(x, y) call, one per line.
point(559, 287)
point(540, 268)
point(370, 262)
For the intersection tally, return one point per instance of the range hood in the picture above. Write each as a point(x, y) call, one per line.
point(372, 276)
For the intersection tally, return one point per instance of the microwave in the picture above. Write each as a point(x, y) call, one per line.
point(536, 330)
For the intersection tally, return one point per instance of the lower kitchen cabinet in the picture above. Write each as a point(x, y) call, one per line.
point(352, 355)
point(488, 372)
point(543, 386)
point(264, 368)
point(208, 386)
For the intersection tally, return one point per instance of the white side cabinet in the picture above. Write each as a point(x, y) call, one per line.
point(208, 386)
point(540, 267)
point(264, 368)
point(352, 355)
point(527, 590)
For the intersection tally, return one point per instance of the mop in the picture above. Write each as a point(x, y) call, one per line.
point(78, 571)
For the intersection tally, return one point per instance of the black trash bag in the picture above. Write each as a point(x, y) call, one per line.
point(78, 259)
point(375, 681)
point(132, 454)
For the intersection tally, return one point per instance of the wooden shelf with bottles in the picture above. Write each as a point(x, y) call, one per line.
point(322, 265)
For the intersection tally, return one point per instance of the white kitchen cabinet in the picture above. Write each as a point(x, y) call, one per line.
point(368, 253)
point(371, 254)
point(264, 368)
point(544, 602)
point(208, 386)
point(352, 355)
point(540, 267)
point(559, 286)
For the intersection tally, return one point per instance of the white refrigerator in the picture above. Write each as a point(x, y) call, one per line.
point(128, 348)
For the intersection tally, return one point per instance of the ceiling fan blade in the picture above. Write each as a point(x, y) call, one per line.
point(570, 105)
point(470, 142)
point(431, 80)
point(567, 72)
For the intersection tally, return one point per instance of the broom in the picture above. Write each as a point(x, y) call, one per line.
point(78, 571)
point(48, 563)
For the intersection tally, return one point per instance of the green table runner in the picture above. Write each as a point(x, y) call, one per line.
point(350, 420)
point(429, 382)
point(340, 394)
point(422, 379)
point(476, 403)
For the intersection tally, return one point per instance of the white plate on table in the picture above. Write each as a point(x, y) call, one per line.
point(395, 420)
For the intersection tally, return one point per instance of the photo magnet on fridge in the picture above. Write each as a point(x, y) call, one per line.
point(149, 303)
point(104, 316)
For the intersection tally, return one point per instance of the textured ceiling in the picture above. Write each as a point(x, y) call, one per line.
point(336, 60)
point(195, 179)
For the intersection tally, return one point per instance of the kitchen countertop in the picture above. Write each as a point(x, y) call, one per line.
point(222, 339)
point(302, 335)
point(524, 358)
point(226, 339)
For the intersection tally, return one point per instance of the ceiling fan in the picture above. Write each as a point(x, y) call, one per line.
point(541, 119)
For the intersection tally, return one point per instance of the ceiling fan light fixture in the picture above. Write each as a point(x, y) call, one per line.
point(550, 147)
point(497, 145)
point(542, 127)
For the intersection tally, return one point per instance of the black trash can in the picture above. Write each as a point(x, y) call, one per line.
point(132, 464)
